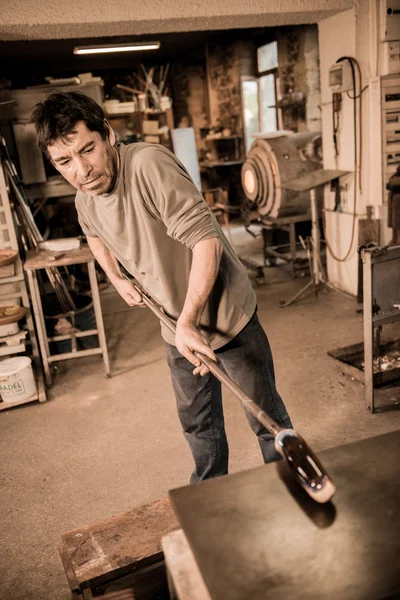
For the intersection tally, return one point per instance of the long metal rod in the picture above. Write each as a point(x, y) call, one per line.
point(248, 403)
point(56, 281)
point(303, 463)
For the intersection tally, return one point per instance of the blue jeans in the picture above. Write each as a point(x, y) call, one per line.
point(247, 359)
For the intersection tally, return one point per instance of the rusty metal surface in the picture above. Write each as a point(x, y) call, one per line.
point(118, 545)
point(257, 535)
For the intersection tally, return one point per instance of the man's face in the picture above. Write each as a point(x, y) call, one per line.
point(87, 162)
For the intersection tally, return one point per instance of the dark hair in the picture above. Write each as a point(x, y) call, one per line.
point(56, 116)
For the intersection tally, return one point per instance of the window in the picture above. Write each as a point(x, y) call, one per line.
point(251, 115)
point(267, 57)
point(267, 102)
point(260, 94)
point(267, 61)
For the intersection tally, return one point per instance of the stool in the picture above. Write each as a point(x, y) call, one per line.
point(47, 259)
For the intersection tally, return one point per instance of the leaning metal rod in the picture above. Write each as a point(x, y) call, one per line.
point(56, 281)
point(303, 463)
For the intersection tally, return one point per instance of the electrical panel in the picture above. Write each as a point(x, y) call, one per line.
point(390, 20)
point(340, 77)
point(390, 103)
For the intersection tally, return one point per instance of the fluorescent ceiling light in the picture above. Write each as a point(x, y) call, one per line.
point(127, 47)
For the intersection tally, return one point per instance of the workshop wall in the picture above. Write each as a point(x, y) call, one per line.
point(225, 65)
point(352, 34)
point(337, 37)
point(190, 98)
point(209, 94)
point(223, 78)
point(298, 70)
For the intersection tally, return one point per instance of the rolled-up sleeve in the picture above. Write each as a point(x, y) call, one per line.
point(172, 196)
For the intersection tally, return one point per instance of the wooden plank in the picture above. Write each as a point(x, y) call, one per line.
point(68, 355)
point(6, 206)
point(7, 271)
point(119, 545)
point(185, 580)
point(99, 316)
point(18, 274)
point(8, 405)
point(65, 555)
point(147, 584)
point(8, 350)
point(46, 259)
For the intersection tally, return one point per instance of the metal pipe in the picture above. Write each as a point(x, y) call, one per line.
point(303, 463)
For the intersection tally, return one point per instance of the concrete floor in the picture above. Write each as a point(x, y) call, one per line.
point(100, 446)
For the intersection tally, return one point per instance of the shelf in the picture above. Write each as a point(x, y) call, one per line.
point(287, 104)
point(223, 137)
point(388, 317)
point(52, 188)
point(136, 112)
point(119, 115)
point(209, 164)
point(7, 350)
point(18, 276)
point(7, 405)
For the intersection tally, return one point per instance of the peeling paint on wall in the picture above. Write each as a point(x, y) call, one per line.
point(190, 98)
point(223, 76)
point(298, 57)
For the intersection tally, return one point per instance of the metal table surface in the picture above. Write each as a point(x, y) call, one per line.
point(312, 180)
point(257, 535)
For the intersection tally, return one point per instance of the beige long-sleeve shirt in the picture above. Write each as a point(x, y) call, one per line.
point(150, 222)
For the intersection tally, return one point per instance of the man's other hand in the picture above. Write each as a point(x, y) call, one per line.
point(189, 339)
point(127, 291)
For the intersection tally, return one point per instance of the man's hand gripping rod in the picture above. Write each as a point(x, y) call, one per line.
point(303, 463)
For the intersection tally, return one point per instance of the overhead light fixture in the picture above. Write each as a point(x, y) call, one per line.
point(127, 47)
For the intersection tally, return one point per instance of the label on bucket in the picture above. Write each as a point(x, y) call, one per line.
point(12, 388)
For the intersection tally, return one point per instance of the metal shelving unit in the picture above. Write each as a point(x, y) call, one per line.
point(381, 298)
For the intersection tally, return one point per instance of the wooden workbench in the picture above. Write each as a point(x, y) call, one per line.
point(122, 552)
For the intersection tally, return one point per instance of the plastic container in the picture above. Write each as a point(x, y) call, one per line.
point(111, 106)
point(17, 382)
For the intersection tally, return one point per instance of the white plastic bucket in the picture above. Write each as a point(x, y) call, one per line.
point(16, 379)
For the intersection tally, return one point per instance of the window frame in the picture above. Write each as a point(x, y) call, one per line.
point(273, 71)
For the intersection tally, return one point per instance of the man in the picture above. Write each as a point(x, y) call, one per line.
point(139, 208)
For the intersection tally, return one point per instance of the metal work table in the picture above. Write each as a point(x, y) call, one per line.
point(47, 259)
point(309, 183)
point(381, 300)
point(256, 535)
